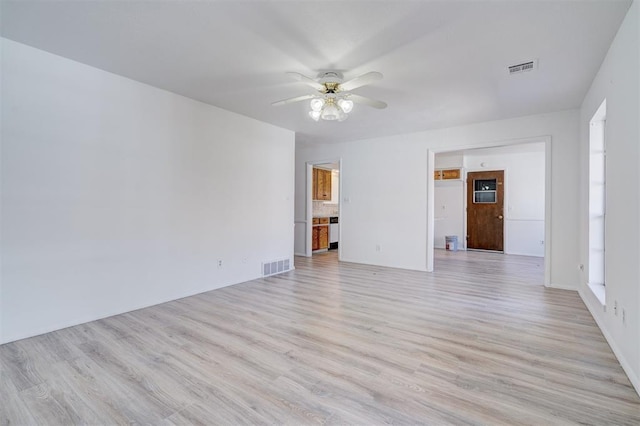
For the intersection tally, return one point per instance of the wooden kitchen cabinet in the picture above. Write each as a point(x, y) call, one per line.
point(326, 186)
point(315, 242)
point(320, 237)
point(314, 180)
point(323, 237)
point(451, 174)
point(321, 184)
point(447, 174)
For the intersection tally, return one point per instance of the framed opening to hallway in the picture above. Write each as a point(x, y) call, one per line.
point(526, 216)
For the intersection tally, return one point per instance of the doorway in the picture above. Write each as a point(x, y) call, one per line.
point(525, 195)
point(485, 210)
point(323, 219)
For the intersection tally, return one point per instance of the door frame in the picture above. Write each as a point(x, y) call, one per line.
point(465, 203)
point(430, 217)
point(309, 204)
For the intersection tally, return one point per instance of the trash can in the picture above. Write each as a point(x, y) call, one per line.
point(451, 242)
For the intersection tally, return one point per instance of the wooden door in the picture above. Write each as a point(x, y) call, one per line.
point(485, 210)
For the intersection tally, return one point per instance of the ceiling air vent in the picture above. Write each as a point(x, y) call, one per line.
point(523, 67)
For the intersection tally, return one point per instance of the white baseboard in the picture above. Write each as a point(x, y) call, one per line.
point(561, 287)
point(113, 312)
point(383, 265)
point(633, 378)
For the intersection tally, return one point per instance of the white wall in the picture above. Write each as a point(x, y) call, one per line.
point(449, 160)
point(449, 212)
point(448, 197)
point(117, 195)
point(618, 81)
point(385, 180)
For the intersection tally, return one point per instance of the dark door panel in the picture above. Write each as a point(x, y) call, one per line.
point(485, 210)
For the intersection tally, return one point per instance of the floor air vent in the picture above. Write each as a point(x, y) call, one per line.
point(276, 267)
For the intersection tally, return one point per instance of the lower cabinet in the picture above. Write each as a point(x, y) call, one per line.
point(323, 237)
point(315, 243)
point(320, 238)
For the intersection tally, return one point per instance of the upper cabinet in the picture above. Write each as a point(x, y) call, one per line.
point(448, 174)
point(321, 184)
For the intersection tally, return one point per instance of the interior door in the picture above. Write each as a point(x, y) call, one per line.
point(485, 210)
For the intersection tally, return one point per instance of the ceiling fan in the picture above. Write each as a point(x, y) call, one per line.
point(333, 100)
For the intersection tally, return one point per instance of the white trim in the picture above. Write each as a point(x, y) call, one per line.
point(560, 286)
point(301, 222)
point(309, 209)
point(83, 319)
point(599, 292)
point(547, 210)
point(309, 204)
point(382, 265)
point(635, 381)
point(430, 237)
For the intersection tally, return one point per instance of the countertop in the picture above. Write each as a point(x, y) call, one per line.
point(322, 217)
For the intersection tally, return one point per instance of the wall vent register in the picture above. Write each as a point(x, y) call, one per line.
point(275, 267)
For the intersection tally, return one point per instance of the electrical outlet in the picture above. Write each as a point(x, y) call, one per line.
point(377, 247)
point(219, 263)
point(541, 242)
point(581, 267)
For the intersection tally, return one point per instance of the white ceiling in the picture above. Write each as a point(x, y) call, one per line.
point(444, 62)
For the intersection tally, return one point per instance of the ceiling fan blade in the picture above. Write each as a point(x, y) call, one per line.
point(359, 81)
point(308, 81)
point(292, 100)
point(367, 101)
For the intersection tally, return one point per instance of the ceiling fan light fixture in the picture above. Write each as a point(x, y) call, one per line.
point(317, 104)
point(345, 105)
point(332, 100)
point(330, 112)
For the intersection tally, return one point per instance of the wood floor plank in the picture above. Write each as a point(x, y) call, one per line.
point(13, 409)
point(478, 341)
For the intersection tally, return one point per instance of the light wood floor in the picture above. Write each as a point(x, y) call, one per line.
point(480, 341)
